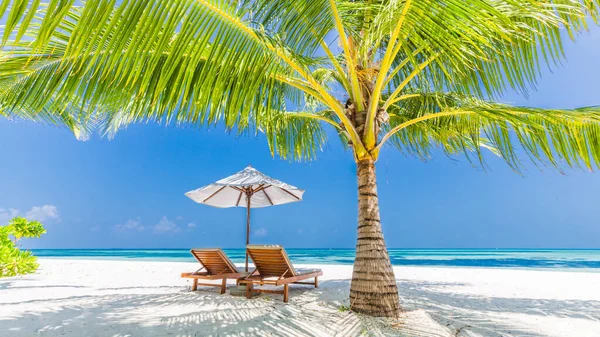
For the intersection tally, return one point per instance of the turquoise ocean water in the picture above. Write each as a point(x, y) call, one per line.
point(497, 258)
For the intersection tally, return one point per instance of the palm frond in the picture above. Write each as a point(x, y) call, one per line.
point(106, 64)
point(481, 47)
point(456, 123)
point(292, 134)
point(197, 71)
point(301, 25)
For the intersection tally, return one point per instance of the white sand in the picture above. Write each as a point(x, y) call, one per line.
point(135, 298)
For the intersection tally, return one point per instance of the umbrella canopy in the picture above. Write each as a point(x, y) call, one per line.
point(247, 188)
point(248, 184)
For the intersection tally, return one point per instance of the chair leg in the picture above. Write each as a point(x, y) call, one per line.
point(223, 286)
point(285, 293)
point(316, 281)
point(194, 284)
point(248, 290)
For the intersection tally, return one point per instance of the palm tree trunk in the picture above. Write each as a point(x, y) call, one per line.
point(373, 290)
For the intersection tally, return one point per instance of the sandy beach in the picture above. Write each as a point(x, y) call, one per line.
point(138, 298)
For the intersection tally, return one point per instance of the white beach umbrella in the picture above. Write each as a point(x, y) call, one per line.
point(247, 188)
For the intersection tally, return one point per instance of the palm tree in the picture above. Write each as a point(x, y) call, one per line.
point(416, 75)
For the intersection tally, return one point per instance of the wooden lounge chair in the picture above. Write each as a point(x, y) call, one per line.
point(215, 266)
point(273, 267)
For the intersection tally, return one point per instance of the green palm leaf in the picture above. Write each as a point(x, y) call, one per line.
point(105, 65)
point(460, 124)
point(183, 81)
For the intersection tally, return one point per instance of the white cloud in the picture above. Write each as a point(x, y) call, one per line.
point(165, 226)
point(95, 228)
point(131, 225)
point(42, 213)
point(39, 213)
point(179, 217)
point(7, 214)
point(300, 231)
point(261, 232)
point(191, 225)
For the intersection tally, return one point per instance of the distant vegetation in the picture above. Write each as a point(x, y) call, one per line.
point(14, 261)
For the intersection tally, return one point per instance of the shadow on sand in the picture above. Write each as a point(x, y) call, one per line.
point(468, 315)
point(183, 313)
point(175, 311)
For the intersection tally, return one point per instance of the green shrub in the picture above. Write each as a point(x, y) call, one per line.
point(14, 261)
point(343, 308)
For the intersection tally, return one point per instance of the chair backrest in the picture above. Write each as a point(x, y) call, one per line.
point(271, 260)
point(214, 260)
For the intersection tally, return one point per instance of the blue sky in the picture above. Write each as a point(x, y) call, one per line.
point(129, 192)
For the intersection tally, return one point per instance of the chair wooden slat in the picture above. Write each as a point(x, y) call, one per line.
point(214, 260)
point(217, 266)
point(275, 268)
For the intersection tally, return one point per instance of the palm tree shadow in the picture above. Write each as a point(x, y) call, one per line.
point(463, 314)
point(184, 313)
point(487, 316)
point(7, 283)
point(161, 311)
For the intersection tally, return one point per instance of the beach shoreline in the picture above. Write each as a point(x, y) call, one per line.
point(169, 260)
point(80, 297)
point(543, 259)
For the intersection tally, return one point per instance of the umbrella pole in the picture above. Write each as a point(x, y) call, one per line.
point(248, 196)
